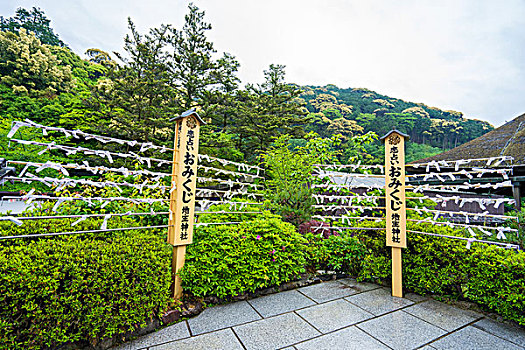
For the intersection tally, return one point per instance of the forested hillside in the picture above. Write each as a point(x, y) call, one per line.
point(357, 110)
point(133, 93)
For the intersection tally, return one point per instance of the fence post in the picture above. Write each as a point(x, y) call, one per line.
point(395, 204)
point(182, 192)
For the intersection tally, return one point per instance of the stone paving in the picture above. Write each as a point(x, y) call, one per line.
point(334, 315)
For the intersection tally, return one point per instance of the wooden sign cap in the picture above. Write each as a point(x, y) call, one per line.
point(395, 131)
point(187, 114)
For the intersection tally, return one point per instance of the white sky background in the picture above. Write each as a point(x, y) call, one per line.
point(465, 55)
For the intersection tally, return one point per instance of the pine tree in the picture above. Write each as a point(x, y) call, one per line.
point(194, 71)
point(137, 93)
point(269, 110)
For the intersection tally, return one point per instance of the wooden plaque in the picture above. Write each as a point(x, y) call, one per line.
point(184, 177)
point(395, 202)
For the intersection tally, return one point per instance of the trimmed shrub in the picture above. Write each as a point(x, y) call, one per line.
point(229, 260)
point(78, 289)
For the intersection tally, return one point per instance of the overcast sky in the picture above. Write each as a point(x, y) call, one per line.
point(465, 55)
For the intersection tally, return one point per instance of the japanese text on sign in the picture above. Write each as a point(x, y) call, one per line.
point(187, 194)
point(395, 191)
point(183, 205)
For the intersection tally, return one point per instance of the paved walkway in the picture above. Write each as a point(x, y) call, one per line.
point(334, 315)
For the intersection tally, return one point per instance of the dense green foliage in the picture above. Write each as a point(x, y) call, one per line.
point(230, 260)
point(59, 290)
point(28, 66)
point(354, 111)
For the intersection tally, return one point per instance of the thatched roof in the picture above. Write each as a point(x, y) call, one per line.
point(507, 140)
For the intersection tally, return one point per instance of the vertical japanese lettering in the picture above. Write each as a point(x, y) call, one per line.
point(395, 190)
point(186, 177)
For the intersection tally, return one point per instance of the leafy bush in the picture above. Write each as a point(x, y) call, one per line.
point(71, 289)
point(346, 253)
point(229, 260)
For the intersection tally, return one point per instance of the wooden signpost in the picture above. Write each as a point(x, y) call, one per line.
point(395, 204)
point(182, 193)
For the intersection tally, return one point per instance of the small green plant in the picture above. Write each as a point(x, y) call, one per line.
point(346, 253)
point(289, 171)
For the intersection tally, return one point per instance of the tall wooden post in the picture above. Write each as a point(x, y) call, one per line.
point(395, 204)
point(182, 193)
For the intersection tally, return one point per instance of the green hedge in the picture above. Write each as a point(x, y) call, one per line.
point(229, 260)
point(491, 276)
point(58, 290)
